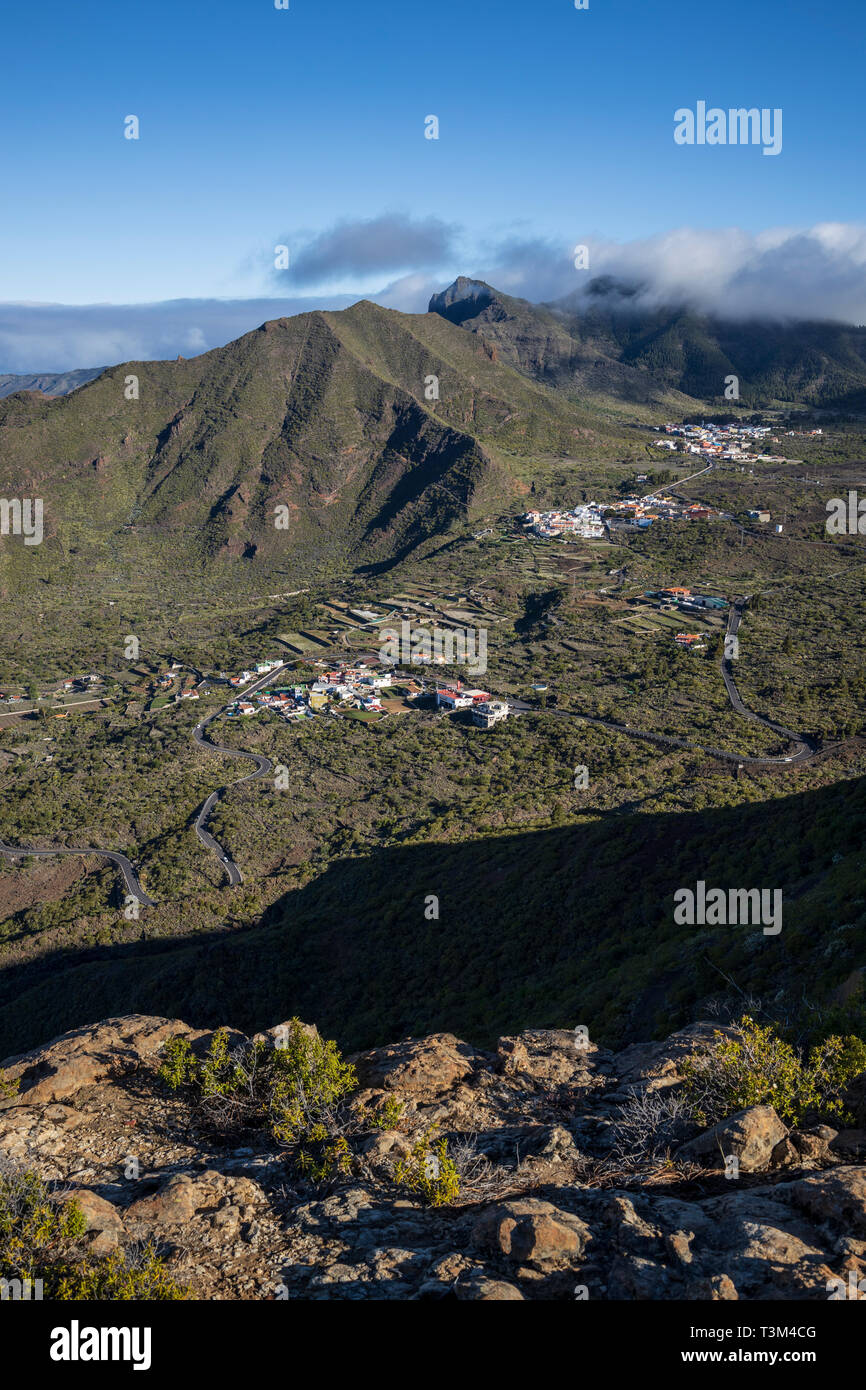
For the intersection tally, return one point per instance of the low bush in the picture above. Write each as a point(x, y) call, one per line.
point(758, 1067)
point(429, 1172)
point(650, 1124)
point(291, 1088)
point(9, 1088)
point(42, 1255)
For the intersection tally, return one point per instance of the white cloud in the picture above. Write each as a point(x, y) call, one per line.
point(59, 337)
point(813, 273)
point(361, 247)
point(410, 293)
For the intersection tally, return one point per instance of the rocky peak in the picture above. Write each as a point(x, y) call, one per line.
point(461, 300)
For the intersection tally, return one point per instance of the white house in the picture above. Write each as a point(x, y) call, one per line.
point(489, 712)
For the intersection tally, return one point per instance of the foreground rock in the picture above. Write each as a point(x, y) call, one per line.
point(751, 1136)
point(66, 1065)
point(547, 1209)
point(531, 1232)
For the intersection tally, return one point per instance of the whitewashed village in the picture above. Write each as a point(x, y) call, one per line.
point(729, 443)
point(359, 686)
point(713, 444)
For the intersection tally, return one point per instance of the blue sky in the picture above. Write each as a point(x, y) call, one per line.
point(262, 127)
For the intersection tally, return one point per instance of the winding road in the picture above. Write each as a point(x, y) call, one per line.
point(263, 767)
point(130, 877)
point(127, 869)
point(803, 746)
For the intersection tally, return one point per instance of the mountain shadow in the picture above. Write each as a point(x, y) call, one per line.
point(553, 928)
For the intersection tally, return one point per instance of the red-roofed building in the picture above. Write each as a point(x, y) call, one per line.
point(453, 699)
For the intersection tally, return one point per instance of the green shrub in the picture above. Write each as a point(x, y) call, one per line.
point(290, 1088)
point(40, 1242)
point(757, 1067)
point(120, 1276)
point(323, 1154)
point(309, 1078)
point(429, 1172)
point(387, 1116)
point(9, 1088)
point(34, 1226)
point(179, 1063)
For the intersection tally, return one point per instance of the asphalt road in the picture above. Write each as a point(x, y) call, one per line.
point(263, 767)
point(803, 746)
point(130, 877)
point(668, 741)
point(127, 869)
point(234, 874)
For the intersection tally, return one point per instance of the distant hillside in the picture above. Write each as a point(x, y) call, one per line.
point(606, 345)
point(557, 927)
point(49, 383)
point(540, 343)
point(376, 430)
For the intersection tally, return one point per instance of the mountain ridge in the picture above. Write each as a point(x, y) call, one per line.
point(376, 430)
point(48, 383)
point(583, 342)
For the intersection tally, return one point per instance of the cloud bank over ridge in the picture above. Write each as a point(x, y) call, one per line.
point(782, 273)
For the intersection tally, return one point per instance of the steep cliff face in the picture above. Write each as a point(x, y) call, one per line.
point(562, 1186)
point(465, 299)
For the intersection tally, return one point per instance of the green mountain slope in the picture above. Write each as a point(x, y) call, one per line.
point(558, 927)
point(326, 415)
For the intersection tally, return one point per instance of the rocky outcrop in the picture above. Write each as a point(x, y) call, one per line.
point(530, 1231)
point(69, 1063)
point(462, 300)
point(548, 1207)
point(424, 1069)
point(654, 1066)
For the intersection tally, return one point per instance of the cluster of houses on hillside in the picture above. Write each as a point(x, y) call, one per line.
point(710, 441)
point(641, 512)
point(584, 521)
point(78, 685)
point(594, 520)
point(74, 685)
point(261, 668)
point(359, 686)
point(289, 702)
point(347, 687)
point(182, 686)
point(355, 687)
